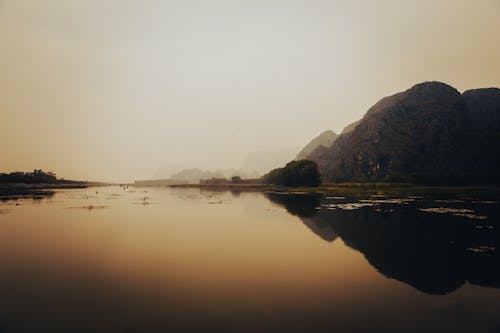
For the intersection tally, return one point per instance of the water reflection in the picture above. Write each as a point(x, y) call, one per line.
point(206, 261)
point(15, 195)
point(305, 206)
point(435, 253)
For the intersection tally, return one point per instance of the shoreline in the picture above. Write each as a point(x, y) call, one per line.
point(46, 186)
point(340, 188)
point(329, 188)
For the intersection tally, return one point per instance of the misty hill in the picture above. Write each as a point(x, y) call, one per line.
point(349, 128)
point(427, 134)
point(261, 162)
point(325, 139)
point(195, 175)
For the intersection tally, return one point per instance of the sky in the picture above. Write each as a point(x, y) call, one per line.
point(115, 90)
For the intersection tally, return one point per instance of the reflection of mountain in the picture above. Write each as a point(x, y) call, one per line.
point(304, 206)
point(435, 253)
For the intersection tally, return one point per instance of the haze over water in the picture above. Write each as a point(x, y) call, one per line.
point(183, 260)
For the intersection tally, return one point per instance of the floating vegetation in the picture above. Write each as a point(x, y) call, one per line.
point(216, 202)
point(449, 201)
point(472, 216)
point(143, 201)
point(88, 207)
point(401, 201)
point(347, 206)
point(444, 210)
point(487, 202)
point(335, 198)
point(482, 249)
point(5, 211)
point(489, 227)
point(461, 212)
point(380, 210)
point(76, 195)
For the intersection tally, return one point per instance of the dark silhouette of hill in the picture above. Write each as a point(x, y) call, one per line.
point(435, 253)
point(325, 139)
point(427, 134)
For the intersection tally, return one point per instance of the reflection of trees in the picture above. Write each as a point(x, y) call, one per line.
point(434, 253)
point(13, 195)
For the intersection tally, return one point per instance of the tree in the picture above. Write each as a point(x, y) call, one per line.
point(295, 173)
point(236, 180)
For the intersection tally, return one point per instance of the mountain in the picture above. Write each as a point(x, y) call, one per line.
point(325, 139)
point(427, 134)
point(194, 175)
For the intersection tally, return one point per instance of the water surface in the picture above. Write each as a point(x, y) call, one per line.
point(183, 260)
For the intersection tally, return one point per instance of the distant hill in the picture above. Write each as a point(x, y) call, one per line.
point(260, 162)
point(427, 134)
point(325, 139)
point(349, 128)
point(194, 175)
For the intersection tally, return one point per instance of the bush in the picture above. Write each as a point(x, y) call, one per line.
point(295, 173)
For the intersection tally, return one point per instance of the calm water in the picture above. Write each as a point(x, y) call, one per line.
point(185, 260)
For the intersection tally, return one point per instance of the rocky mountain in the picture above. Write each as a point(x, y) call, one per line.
point(349, 128)
point(427, 134)
point(325, 139)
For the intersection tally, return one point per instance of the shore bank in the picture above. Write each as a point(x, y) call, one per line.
point(342, 188)
point(45, 186)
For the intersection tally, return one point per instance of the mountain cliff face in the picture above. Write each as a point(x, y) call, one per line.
point(428, 134)
point(325, 139)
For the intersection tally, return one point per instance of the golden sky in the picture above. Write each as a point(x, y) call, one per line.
point(116, 89)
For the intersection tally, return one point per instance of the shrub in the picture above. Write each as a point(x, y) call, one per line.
point(295, 173)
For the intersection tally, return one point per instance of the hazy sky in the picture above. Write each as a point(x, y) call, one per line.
point(114, 89)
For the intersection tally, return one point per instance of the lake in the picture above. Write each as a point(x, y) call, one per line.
point(114, 259)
